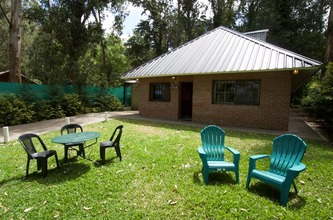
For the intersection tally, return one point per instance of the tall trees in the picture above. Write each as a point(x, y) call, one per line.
point(167, 26)
point(296, 25)
point(14, 26)
point(223, 12)
point(67, 31)
point(4, 36)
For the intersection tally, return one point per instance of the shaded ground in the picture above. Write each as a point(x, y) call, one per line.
point(320, 125)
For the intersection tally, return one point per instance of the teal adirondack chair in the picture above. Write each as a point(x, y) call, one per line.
point(212, 153)
point(285, 165)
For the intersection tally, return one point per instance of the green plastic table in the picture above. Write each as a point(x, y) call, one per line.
point(78, 137)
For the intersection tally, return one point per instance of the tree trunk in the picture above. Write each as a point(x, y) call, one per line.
point(15, 42)
point(329, 42)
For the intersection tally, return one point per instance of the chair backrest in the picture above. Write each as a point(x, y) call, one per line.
point(212, 138)
point(28, 142)
point(71, 128)
point(118, 130)
point(288, 150)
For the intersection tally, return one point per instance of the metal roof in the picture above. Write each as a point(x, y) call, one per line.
point(260, 34)
point(222, 50)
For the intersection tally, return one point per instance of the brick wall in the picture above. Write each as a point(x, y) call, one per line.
point(272, 113)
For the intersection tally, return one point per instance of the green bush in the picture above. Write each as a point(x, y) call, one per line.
point(319, 97)
point(107, 102)
point(71, 104)
point(14, 111)
point(46, 109)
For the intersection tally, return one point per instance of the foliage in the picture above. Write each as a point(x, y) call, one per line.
point(106, 102)
point(14, 110)
point(66, 33)
point(4, 37)
point(71, 104)
point(46, 109)
point(295, 25)
point(108, 62)
point(319, 96)
point(159, 177)
point(166, 28)
point(223, 12)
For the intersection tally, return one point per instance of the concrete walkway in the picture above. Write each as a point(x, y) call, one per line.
point(297, 125)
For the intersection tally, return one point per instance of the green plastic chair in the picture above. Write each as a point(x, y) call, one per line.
point(212, 153)
point(285, 165)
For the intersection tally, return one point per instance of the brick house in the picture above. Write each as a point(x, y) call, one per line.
point(223, 77)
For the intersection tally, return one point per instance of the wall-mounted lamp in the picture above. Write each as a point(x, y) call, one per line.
point(173, 78)
point(294, 72)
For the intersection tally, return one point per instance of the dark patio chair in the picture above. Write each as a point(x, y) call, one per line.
point(113, 142)
point(68, 129)
point(29, 143)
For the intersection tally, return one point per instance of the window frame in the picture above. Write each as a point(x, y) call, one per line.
point(160, 89)
point(230, 92)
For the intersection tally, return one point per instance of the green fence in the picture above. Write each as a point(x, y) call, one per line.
point(41, 91)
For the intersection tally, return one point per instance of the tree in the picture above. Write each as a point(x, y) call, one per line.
point(67, 32)
point(223, 12)
point(188, 22)
point(139, 49)
point(4, 37)
point(329, 42)
point(107, 63)
point(296, 25)
point(14, 24)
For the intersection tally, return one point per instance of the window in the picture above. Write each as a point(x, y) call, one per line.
point(159, 92)
point(244, 92)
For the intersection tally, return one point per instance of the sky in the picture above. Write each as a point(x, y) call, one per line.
point(130, 23)
point(132, 20)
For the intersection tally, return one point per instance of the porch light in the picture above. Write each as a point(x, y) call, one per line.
point(173, 78)
point(294, 72)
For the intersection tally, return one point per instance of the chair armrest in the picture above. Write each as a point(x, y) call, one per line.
point(202, 154)
point(295, 170)
point(232, 150)
point(236, 155)
point(259, 156)
point(254, 158)
point(201, 150)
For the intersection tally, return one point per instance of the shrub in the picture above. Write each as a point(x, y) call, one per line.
point(14, 111)
point(46, 109)
point(71, 104)
point(107, 102)
point(319, 97)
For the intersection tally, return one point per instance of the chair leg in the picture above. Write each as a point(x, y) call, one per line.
point(81, 148)
point(237, 176)
point(39, 165)
point(44, 167)
point(294, 184)
point(205, 175)
point(56, 157)
point(102, 154)
point(284, 198)
point(248, 181)
point(27, 169)
point(117, 148)
point(66, 154)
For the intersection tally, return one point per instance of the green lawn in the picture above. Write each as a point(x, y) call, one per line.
point(159, 178)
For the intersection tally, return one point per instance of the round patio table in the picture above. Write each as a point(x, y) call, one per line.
point(76, 138)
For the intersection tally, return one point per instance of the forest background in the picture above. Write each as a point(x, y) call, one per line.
point(63, 42)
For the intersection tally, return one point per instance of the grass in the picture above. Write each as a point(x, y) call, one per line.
point(159, 178)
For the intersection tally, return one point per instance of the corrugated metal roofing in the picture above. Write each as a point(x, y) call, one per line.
point(260, 34)
point(222, 50)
